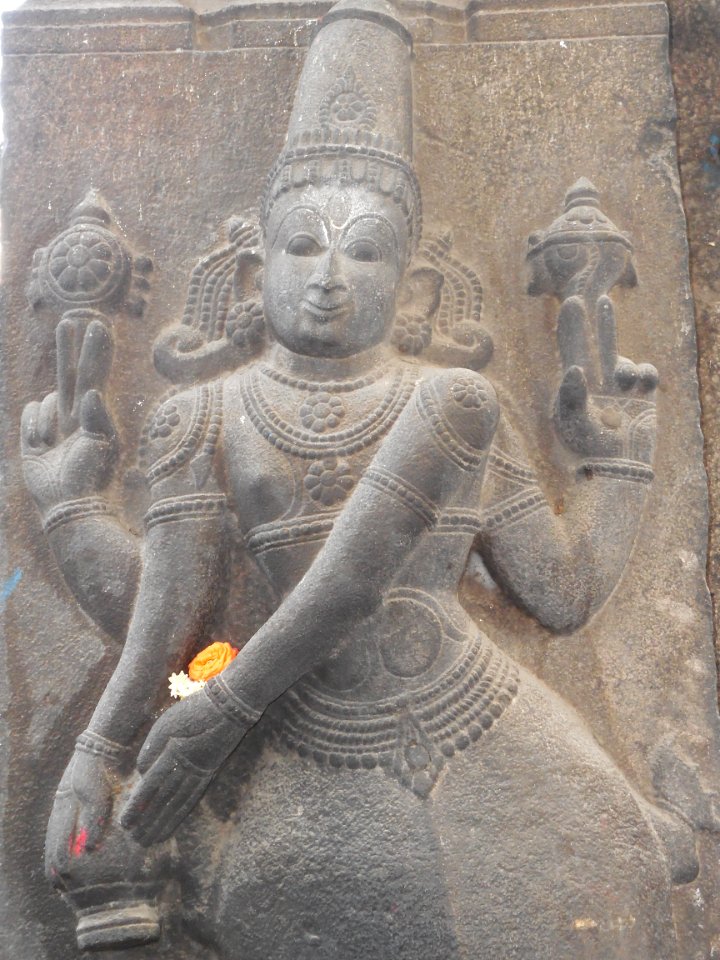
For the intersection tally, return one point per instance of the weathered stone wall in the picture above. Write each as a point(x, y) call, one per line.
point(695, 61)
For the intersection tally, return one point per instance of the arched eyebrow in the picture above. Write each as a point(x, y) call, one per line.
point(373, 218)
point(299, 207)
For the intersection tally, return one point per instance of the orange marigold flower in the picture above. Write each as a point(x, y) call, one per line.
point(211, 661)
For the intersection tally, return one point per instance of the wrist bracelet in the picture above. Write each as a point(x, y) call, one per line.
point(634, 470)
point(99, 746)
point(75, 510)
point(230, 704)
point(514, 508)
point(191, 507)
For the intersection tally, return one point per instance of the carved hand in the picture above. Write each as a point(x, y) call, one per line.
point(81, 813)
point(68, 440)
point(604, 407)
point(181, 755)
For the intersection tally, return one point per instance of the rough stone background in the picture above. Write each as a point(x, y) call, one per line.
point(695, 62)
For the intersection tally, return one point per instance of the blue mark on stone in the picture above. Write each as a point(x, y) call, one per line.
point(712, 166)
point(8, 588)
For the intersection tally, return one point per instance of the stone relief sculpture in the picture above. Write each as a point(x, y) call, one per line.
point(371, 776)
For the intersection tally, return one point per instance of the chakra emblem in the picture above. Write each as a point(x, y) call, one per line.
point(321, 412)
point(86, 264)
point(329, 481)
point(89, 265)
point(469, 393)
point(348, 105)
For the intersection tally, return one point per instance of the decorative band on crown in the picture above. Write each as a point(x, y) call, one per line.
point(348, 159)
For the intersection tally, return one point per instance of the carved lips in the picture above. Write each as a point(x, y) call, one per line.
point(325, 311)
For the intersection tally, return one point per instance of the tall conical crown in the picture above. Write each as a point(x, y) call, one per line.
point(352, 117)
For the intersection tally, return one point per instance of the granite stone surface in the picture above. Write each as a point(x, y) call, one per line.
point(360, 341)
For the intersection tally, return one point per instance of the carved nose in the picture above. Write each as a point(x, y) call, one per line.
point(328, 275)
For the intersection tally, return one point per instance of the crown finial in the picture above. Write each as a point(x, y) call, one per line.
point(582, 193)
point(92, 209)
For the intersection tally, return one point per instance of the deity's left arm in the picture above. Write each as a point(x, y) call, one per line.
point(561, 562)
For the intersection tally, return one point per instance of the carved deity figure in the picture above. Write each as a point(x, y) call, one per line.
point(371, 776)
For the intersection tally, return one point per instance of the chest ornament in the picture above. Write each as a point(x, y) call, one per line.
point(321, 412)
point(315, 438)
point(329, 481)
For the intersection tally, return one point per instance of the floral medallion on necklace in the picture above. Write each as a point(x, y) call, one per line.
point(321, 412)
point(320, 432)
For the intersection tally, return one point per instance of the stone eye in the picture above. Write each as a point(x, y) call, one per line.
point(567, 251)
point(364, 251)
point(303, 245)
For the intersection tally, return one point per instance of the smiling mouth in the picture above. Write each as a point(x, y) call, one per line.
point(324, 311)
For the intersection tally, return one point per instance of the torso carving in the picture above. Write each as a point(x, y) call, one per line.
point(414, 682)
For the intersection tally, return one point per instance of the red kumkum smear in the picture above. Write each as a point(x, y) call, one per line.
point(78, 843)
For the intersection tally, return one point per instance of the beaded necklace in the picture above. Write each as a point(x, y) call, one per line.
point(322, 386)
point(312, 446)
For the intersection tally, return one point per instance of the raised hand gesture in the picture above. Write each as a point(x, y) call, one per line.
point(604, 407)
point(68, 440)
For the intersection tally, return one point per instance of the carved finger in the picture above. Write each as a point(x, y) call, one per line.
point(60, 836)
point(156, 742)
point(607, 341)
point(94, 417)
point(139, 802)
point(29, 427)
point(572, 334)
point(47, 420)
point(573, 393)
point(626, 374)
point(170, 806)
point(153, 809)
point(95, 360)
point(92, 825)
point(65, 337)
point(648, 377)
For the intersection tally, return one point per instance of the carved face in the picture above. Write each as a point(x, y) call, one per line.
point(334, 259)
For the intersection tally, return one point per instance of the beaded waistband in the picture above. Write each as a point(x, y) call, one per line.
point(412, 735)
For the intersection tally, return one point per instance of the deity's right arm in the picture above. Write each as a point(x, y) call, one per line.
point(99, 557)
point(184, 563)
